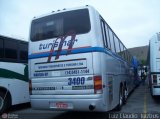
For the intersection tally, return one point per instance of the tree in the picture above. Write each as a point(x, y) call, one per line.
point(144, 62)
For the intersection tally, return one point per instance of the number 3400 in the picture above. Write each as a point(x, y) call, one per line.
point(76, 81)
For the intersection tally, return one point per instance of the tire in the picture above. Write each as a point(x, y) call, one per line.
point(3, 103)
point(121, 95)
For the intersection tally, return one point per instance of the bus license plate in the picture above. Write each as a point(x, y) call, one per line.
point(61, 105)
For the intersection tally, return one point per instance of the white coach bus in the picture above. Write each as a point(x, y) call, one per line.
point(154, 59)
point(77, 62)
point(14, 85)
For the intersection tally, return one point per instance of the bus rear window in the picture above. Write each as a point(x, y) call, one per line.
point(59, 24)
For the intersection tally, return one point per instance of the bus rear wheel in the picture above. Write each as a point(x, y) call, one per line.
point(125, 94)
point(121, 96)
point(3, 102)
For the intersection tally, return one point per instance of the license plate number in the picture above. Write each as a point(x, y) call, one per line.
point(61, 105)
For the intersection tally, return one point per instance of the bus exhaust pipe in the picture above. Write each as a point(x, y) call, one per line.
point(91, 107)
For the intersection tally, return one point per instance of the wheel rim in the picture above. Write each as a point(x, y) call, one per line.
point(121, 99)
point(126, 94)
point(1, 102)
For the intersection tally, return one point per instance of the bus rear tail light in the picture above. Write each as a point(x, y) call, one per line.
point(97, 84)
point(154, 79)
point(30, 87)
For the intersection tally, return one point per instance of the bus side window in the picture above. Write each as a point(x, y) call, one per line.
point(116, 40)
point(122, 50)
point(107, 36)
point(10, 49)
point(23, 52)
point(1, 49)
point(125, 53)
point(111, 40)
point(103, 33)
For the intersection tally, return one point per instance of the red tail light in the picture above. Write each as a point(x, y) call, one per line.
point(97, 84)
point(30, 87)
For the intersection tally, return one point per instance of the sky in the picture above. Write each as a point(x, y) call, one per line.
point(134, 21)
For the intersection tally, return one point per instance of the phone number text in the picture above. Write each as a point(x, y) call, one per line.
point(74, 72)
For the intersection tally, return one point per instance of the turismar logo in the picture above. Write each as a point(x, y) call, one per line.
point(62, 40)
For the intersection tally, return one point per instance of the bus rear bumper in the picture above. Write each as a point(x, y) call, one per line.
point(68, 104)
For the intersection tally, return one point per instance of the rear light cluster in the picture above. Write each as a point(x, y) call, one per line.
point(97, 84)
point(30, 87)
point(154, 79)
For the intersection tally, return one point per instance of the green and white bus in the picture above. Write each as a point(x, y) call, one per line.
point(14, 86)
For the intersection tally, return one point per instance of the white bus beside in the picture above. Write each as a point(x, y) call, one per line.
point(14, 85)
point(154, 64)
point(77, 62)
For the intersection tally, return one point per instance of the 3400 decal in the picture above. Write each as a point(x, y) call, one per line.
point(76, 81)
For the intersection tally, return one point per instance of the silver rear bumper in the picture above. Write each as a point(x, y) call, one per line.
point(80, 103)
